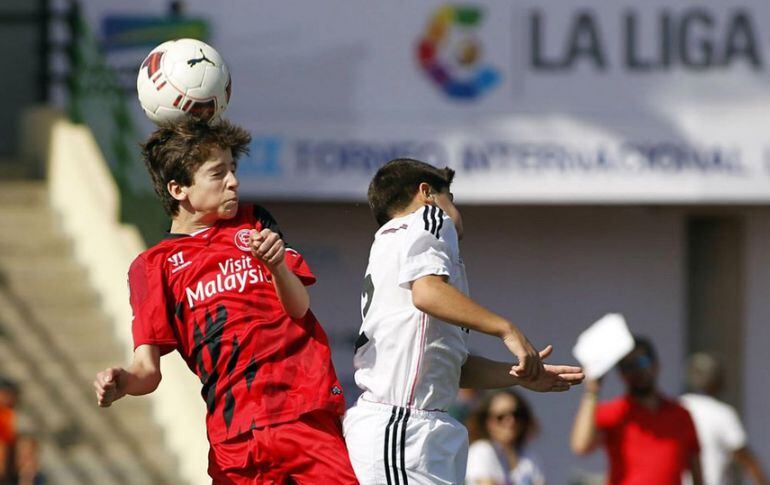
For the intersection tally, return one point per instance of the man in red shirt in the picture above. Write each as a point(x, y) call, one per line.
point(649, 438)
point(226, 292)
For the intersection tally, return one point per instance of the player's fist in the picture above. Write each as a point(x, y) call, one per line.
point(107, 386)
point(267, 246)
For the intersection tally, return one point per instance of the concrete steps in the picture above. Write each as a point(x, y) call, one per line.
point(53, 339)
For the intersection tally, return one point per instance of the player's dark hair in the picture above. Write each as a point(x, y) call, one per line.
point(176, 149)
point(395, 185)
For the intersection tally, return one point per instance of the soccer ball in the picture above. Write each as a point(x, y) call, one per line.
point(183, 77)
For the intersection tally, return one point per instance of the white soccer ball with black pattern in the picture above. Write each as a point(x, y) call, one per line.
point(183, 77)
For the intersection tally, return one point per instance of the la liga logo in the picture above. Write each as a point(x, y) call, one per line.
point(450, 53)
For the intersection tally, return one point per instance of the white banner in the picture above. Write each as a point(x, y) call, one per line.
point(529, 101)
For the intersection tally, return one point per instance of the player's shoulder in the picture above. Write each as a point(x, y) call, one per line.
point(159, 251)
point(431, 220)
point(262, 217)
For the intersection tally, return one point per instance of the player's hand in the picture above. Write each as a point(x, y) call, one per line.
point(267, 246)
point(553, 378)
point(107, 388)
point(530, 364)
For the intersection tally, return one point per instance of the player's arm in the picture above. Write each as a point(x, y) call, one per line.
point(748, 461)
point(268, 247)
point(141, 377)
point(434, 295)
point(481, 373)
point(585, 435)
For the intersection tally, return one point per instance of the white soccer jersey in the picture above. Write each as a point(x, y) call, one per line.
point(403, 356)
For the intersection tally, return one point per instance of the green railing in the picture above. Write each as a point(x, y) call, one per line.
point(98, 100)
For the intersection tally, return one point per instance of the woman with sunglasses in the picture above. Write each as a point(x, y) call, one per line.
point(500, 429)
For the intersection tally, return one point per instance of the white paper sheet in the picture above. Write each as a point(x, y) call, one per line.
point(603, 344)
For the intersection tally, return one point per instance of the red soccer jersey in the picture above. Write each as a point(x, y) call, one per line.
point(206, 296)
point(645, 446)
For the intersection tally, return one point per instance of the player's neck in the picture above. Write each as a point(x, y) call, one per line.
point(417, 203)
point(189, 223)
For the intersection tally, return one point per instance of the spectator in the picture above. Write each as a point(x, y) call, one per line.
point(28, 460)
point(503, 424)
point(9, 396)
point(720, 432)
point(649, 438)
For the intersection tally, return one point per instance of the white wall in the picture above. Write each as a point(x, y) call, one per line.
point(756, 392)
point(84, 195)
point(554, 270)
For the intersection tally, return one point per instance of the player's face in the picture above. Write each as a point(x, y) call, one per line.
point(214, 191)
point(503, 425)
point(445, 201)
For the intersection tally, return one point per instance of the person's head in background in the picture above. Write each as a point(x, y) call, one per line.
point(505, 418)
point(704, 374)
point(9, 393)
point(639, 369)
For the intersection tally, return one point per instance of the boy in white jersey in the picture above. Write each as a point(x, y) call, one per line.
point(411, 355)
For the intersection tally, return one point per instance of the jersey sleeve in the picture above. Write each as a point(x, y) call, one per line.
point(266, 221)
point(294, 259)
point(147, 297)
point(429, 248)
point(734, 435)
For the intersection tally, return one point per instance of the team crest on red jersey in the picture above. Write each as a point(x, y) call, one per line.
point(242, 239)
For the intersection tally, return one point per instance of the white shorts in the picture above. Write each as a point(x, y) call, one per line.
point(391, 445)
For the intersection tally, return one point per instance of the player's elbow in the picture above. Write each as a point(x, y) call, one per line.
point(421, 300)
point(467, 379)
point(298, 306)
point(151, 380)
point(298, 312)
point(579, 447)
point(578, 450)
point(147, 379)
point(424, 294)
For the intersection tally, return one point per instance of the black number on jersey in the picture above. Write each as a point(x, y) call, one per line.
point(367, 294)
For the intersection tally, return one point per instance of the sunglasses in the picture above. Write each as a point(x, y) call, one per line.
point(516, 413)
point(641, 362)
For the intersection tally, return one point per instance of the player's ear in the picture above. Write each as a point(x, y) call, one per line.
point(425, 193)
point(176, 190)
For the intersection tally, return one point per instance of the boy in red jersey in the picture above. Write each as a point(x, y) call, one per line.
point(226, 293)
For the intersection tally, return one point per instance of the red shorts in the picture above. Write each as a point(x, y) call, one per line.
point(310, 450)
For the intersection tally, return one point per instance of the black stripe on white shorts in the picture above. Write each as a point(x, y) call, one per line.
point(394, 447)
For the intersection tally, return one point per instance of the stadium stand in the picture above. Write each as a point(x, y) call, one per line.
point(53, 335)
